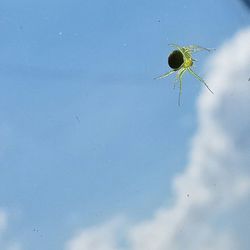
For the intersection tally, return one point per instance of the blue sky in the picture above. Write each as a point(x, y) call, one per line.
point(85, 131)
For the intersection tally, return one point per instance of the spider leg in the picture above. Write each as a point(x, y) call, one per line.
point(165, 75)
point(177, 47)
point(180, 75)
point(175, 81)
point(200, 79)
point(197, 48)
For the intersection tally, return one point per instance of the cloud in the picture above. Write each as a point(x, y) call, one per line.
point(3, 221)
point(6, 244)
point(211, 197)
point(103, 237)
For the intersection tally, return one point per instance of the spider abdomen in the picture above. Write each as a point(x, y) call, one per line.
point(175, 59)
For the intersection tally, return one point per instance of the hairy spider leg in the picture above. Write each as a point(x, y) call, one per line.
point(177, 47)
point(179, 76)
point(186, 52)
point(165, 75)
point(175, 81)
point(196, 48)
point(200, 79)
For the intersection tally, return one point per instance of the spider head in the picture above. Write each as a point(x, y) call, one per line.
point(175, 59)
point(188, 62)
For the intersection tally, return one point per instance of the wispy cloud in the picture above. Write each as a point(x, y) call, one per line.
point(6, 244)
point(103, 237)
point(3, 221)
point(212, 194)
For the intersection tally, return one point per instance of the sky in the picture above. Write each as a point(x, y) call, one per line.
point(97, 155)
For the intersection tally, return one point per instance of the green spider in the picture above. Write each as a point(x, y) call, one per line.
point(180, 60)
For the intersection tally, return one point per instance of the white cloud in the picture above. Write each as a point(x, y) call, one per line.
point(103, 237)
point(6, 244)
point(211, 207)
point(3, 221)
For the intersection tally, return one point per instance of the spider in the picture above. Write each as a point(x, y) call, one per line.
point(180, 60)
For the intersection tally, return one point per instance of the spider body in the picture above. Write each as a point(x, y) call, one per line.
point(175, 60)
point(180, 60)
